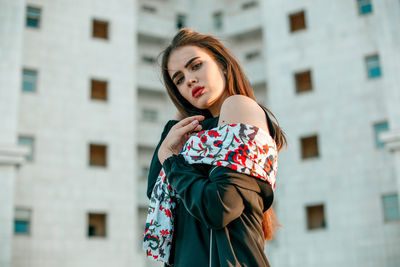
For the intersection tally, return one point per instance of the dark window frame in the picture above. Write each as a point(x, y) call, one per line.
point(378, 143)
point(29, 221)
point(297, 21)
point(99, 89)
point(309, 147)
point(94, 150)
point(29, 16)
point(249, 5)
point(367, 66)
point(385, 218)
point(360, 7)
point(100, 29)
point(313, 223)
point(148, 9)
point(303, 81)
point(91, 231)
point(252, 55)
point(180, 20)
point(148, 59)
point(152, 111)
point(35, 82)
point(218, 20)
point(32, 154)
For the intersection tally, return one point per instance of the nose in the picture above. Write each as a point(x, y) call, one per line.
point(191, 81)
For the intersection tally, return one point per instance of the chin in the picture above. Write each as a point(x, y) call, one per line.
point(201, 107)
point(199, 104)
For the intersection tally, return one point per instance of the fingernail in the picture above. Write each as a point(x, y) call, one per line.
point(195, 122)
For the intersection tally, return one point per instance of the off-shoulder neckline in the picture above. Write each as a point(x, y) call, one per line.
point(248, 125)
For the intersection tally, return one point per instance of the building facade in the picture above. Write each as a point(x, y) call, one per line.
point(331, 72)
point(69, 96)
point(84, 104)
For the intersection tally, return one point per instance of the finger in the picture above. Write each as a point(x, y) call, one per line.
point(198, 128)
point(188, 128)
point(194, 131)
point(188, 120)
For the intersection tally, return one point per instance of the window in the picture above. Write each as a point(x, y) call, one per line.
point(22, 221)
point(309, 147)
point(180, 21)
point(373, 66)
point(98, 155)
point(380, 127)
point(100, 29)
point(144, 172)
point(217, 19)
point(297, 21)
point(364, 7)
point(252, 55)
point(96, 225)
point(149, 9)
point(29, 80)
point(149, 59)
point(303, 81)
point(33, 17)
point(29, 142)
point(315, 217)
point(249, 5)
point(391, 208)
point(98, 90)
point(149, 114)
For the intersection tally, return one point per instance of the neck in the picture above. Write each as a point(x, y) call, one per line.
point(215, 108)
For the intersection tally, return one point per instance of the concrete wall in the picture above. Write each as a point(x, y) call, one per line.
point(351, 174)
point(59, 185)
point(11, 14)
point(349, 177)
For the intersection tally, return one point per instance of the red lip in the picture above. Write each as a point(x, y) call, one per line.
point(197, 91)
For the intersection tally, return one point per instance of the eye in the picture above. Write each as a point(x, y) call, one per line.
point(197, 66)
point(180, 80)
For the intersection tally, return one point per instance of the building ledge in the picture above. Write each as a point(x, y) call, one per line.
point(243, 23)
point(391, 139)
point(12, 154)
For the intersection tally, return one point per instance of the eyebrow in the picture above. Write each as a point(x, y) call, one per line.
point(186, 65)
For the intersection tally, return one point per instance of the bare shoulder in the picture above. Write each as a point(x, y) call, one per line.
point(242, 109)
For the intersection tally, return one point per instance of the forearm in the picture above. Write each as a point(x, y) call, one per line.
point(214, 201)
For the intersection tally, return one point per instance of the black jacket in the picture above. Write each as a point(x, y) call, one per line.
point(218, 211)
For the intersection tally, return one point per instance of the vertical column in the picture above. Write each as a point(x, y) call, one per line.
point(11, 35)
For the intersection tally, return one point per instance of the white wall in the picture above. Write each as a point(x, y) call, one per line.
point(59, 185)
point(11, 14)
point(350, 175)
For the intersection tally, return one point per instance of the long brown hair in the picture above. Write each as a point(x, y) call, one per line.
point(236, 84)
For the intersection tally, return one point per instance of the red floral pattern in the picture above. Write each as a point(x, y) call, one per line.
point(240, 147)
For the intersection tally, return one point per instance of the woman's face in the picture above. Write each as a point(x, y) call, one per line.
point(198, 77)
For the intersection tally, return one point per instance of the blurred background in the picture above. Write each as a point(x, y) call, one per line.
point(82, 108)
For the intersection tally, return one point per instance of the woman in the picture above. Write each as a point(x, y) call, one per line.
point(222, 217)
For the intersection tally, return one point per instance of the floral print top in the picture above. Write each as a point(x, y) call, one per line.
point(241, 147)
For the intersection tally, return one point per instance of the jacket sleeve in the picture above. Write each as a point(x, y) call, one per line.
point(155, 165)
point(211, 198)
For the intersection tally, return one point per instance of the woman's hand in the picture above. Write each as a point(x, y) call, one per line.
point(177, 136)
